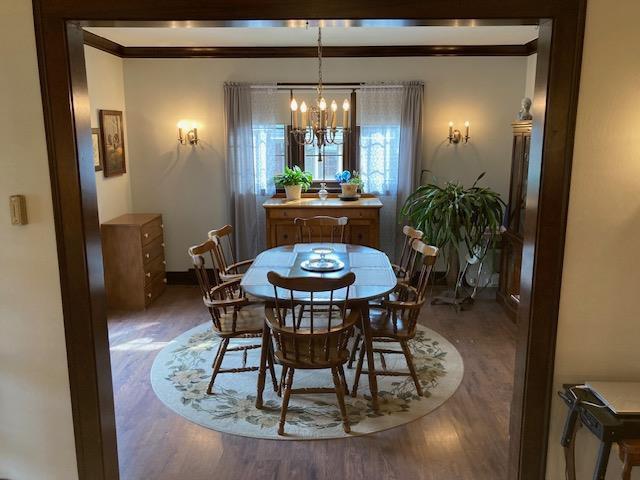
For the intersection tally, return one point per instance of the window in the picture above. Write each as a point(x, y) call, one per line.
point(324, 163)
point(379, 151)
point(269, 154)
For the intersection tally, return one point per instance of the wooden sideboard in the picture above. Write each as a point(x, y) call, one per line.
point(133, 255)
point(363, 215)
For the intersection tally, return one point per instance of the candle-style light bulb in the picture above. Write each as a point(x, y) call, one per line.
point(294, 113)
point(304, 116)
point(450, 130)
point(334, 117)
point(466, 133)
point(345, 113)
point(322, 104)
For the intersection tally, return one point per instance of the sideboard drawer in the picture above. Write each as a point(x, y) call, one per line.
point(153, 250)
point(153, 269)
point(155, 289)
point(152, 230)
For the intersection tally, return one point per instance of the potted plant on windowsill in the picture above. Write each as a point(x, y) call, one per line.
point(350, 182)
point(453, 217)
point(294, 182)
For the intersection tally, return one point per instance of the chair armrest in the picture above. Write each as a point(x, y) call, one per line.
point(232, 302)
point(231, 284)
point(237, 265)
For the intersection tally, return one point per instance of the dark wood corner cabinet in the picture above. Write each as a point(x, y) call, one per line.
point(134, 264)
point(509, 289)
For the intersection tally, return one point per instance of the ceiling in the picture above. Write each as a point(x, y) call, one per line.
point(331, 36)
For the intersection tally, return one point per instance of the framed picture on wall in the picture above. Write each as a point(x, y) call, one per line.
point(97, 151)
point(112, 142)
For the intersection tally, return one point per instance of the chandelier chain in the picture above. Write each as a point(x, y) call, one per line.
point(319, 63)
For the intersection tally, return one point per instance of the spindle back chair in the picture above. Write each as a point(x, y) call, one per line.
point(321, 229)
point(320, 343)
point(232, 314)
point(401, 268)
point(396, 320)
point(224, 254)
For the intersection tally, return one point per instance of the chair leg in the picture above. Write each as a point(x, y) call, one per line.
point(412, 369)
point(285, 401)
point(283, 377)
point(217, 363)
point(272, 369)
point(354, 392)
point(340, 394)
point(345, 387)
point(354, 350)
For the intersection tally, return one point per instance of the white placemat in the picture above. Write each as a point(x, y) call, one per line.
point(374, 276)
point(275, 259)
point(307, 247)
point(376, 260)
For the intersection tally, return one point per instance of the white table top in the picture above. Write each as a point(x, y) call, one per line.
point(374, 275)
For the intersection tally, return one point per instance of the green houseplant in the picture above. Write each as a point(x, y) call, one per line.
point(453, 216)
point(294, 181)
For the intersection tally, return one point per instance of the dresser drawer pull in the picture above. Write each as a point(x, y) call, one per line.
point(164, 262)
point(148, 274)
point(162, 244)
point(164, 280)
point(146, 235)
point(162, 225)
point(149, 295)
point(146, 255)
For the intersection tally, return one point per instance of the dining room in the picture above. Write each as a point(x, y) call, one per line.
point(281, 263)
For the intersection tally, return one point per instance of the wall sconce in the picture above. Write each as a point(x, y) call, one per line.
point(455, 135)
point(187, 132)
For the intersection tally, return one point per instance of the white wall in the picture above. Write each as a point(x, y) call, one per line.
point(36, 430)
point(531, 76)
point(599, 325)
point(187, 185)
point(105, 79)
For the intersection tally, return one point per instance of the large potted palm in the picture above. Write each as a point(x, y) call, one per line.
point(453, 218)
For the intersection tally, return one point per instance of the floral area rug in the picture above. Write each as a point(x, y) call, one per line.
point(181, 372)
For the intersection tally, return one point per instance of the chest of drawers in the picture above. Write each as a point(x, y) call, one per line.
point(134, 264)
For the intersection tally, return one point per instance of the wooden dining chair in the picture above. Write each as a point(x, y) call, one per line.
point(228, 266)
point(232, 314)
point(395, 321)
point(321, 229)
point(401, 269)
point(321, 342)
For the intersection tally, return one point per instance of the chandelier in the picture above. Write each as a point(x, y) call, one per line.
point(313, 125)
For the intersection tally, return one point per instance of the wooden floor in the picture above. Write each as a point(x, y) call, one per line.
point(466, 438)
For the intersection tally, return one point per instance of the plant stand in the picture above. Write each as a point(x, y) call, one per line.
point(461, 295)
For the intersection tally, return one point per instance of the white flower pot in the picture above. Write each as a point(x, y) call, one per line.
point(349, 189)
point(294, 192)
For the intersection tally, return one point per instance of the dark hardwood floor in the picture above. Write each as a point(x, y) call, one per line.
point(466, 438)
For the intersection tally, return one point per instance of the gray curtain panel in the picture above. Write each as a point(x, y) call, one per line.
point(410, 164)
point(240, 168)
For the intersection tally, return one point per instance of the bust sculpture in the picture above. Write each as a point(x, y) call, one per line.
point(525, 107)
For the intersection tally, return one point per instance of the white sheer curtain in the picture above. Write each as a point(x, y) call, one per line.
point(250, 123)
point(390, 150)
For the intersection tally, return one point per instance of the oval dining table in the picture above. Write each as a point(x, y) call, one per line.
point(374, 279)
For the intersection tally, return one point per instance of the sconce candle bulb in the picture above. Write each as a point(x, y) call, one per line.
point(455, 135)
point(187, 132)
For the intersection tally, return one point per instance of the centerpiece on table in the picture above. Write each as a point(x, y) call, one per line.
point(350, 182)
point(294, 181)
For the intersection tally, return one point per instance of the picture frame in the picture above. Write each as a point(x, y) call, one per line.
point(97, 151)
point(112, 142)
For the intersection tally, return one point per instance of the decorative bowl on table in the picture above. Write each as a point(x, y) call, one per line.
point(322, 264)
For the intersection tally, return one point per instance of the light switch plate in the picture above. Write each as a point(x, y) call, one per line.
point(18, 206)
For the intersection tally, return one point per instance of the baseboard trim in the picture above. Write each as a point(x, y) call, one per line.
point(187, 277)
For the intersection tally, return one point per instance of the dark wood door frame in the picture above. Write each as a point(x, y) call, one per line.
point(67, 121)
